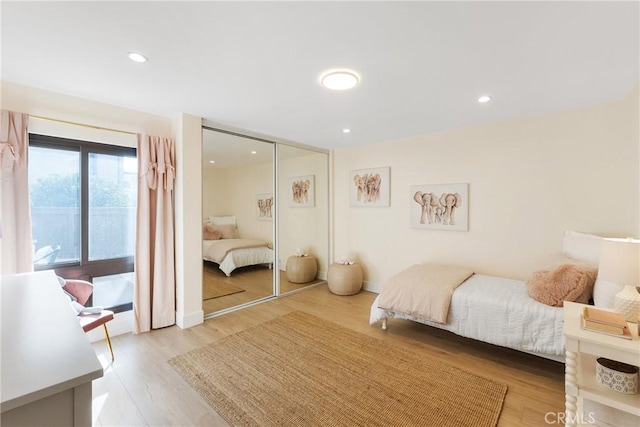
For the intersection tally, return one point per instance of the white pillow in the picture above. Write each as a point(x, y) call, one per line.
point(222, 220)
point(603, 293)
point(581, 246)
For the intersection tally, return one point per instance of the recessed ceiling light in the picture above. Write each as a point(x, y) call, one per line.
point(254, 152)
point(484, 98)
point(136, 57)
point(346, 130)
point(339, 79)
point(212, 161)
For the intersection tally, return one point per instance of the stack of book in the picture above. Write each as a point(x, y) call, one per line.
point(606, 322)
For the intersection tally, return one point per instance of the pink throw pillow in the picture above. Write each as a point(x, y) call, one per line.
point(209, 233)
point(552, 287)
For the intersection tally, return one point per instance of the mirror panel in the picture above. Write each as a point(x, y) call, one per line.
point(303, 216)
point(239, 184)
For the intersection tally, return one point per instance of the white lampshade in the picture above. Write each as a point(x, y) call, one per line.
point(620, 264)
point(620, 261)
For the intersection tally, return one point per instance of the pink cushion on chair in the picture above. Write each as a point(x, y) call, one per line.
point(92, 321)
point(81, 289)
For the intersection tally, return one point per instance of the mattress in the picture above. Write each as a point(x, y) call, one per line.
point(498, 311)
point(241, 257)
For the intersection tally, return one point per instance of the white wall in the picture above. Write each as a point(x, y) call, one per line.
point(529, 180)
point(215, 193)
point(188, 226)
point(44, 103)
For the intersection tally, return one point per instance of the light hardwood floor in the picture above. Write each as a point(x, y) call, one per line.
point(140, 388)
point(256, 280)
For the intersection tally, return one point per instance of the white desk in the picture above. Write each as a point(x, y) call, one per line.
point(47, 362)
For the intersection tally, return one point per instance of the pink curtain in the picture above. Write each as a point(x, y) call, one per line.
point(154, 299)
point(15, 213)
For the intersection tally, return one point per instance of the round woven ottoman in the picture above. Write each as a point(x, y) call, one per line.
point(345, 279)
point(301, 269)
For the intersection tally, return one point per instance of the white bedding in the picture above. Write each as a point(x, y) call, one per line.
point(239, 257)
point(501, 312)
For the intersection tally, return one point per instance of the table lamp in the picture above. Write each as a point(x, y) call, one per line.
point(620, 264)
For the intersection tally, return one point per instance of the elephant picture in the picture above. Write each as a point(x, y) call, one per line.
point(440, 207)
point(301, 191)
point(264, 206)
point(369, 187)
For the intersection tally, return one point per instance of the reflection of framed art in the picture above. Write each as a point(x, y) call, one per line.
point(369, 187)
point(264, 206)
point(302, 191)
point(440, 207)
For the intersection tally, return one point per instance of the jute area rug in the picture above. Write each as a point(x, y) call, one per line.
point(218, 289)
point(300, 370)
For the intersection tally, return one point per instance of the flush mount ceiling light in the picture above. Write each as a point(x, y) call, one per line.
point(339, 79)
point(136, 57)
point(346, 130)
point(212, 161)
point(484, 98)
point(254, 152)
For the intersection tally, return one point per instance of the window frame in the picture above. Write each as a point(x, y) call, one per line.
point(85, 269)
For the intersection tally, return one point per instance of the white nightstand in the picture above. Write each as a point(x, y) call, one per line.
point(583, 347)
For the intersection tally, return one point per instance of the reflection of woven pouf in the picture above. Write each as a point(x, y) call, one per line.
point(345, 279)
point(301, 269)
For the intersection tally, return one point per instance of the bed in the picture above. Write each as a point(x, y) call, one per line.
point(522, 315)
point(514, 320)
point(221, 246)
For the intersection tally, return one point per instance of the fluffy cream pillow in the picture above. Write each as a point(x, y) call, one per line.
point(564, 283)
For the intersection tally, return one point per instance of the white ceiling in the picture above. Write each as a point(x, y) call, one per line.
point(256, 66)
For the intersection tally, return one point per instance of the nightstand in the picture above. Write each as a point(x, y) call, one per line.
point(582, 349)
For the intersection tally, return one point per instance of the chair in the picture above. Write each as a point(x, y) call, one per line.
point(82, 290)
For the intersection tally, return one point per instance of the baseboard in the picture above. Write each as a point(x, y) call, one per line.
point(371, 287)
point(189, 320)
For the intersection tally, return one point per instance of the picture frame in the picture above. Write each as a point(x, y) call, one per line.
point(302, 191)
point(264, 206)
point(440, 207)
point(369, 187)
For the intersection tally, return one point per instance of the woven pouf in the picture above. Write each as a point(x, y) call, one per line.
point(301, 269)
point(345, 279)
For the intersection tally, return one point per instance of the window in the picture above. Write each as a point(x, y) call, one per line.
point(83, 212)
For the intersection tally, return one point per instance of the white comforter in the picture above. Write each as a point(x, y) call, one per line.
point(498, 311)
point(239, 257)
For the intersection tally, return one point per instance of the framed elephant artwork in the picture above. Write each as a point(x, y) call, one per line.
point(302, 191)
point(369, 187)
point(264, 206)
point(440, 207)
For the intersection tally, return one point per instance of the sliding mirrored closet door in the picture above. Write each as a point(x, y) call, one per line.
point(303, 216)
point(238, 220)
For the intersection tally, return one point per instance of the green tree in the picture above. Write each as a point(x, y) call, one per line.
point(64, 191)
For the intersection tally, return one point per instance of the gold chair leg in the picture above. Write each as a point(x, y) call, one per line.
point(106, 334)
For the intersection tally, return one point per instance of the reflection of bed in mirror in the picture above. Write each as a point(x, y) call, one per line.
point(221, 245)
